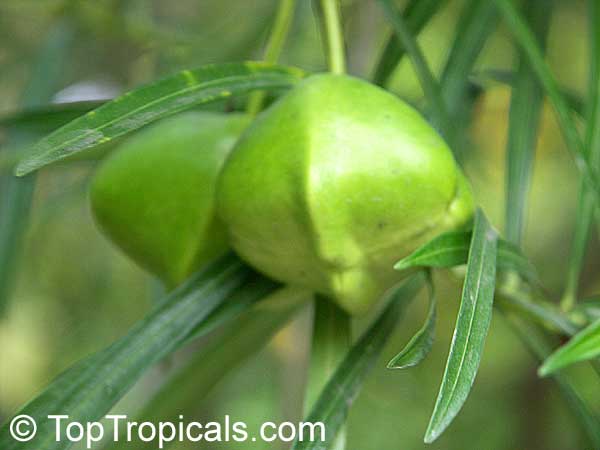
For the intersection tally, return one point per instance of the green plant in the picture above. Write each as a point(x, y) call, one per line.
point(339, 189)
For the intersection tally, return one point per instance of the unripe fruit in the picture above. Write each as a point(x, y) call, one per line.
point(336, 182)
point(154, 196)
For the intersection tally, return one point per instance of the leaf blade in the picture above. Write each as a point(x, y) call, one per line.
point(452, 249)
point(477, 22)
point(88, 390)
point(16, 195)
point(48, 117)
point(334, 401)
point(426, 78)
point(471, 329)
point(586, 202)
point(420, 344)
point(508, 77)
point(418, 13)
point(240, 340)
point(584, 346)
point(446, 250)
point(537, 343)
point(149, 103)
point(524, 121)
point(526, 39)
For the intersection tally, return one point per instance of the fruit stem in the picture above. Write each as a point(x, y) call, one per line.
point(331, 341)
point(333, 35)
point(279, 32)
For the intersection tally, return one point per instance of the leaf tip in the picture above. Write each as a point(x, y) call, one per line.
point(431, 435)
point(397, 365)
point(402, 264)
point(391, 365)
point(25, 167)
point(436, 427)
point(546, 369)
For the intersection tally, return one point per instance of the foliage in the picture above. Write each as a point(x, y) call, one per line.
point(501, 274)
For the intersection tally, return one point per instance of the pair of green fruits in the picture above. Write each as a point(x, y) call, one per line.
point(325, 189)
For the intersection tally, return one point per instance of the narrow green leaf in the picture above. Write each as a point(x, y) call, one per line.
point(15, 204)
point(420, 344)
point(16, 194)
point(446, 250)
point(46, 118)
point(34, 123)
point(222, 314)
point(452, 249)
point(524, 119)
point(155, 101)
point(471, 329)
point(428, 82)
point(589, 307)
point(278, 36)
point(331, 340)
point(593, 113)
point(417, 13)
point(486, 77)
point(526, 39)
point(184, 390)
point(477, 22)
point(90, 388)
point(583, 346)
point(586, 205)
point(538, 344)
point(334, 402)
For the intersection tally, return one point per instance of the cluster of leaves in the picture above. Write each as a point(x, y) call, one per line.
point(90, 388)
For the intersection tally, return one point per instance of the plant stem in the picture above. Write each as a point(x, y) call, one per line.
point(277, 38)
point(333, 35)
point(542, 312)
point(281, 28)
point(330, 343)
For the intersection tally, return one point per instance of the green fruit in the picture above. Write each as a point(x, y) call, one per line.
point(154, 196)
point(336, 182)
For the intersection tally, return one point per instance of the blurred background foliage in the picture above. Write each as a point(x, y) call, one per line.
point(76, 293)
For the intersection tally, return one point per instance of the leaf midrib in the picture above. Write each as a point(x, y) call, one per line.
point(471, 320)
